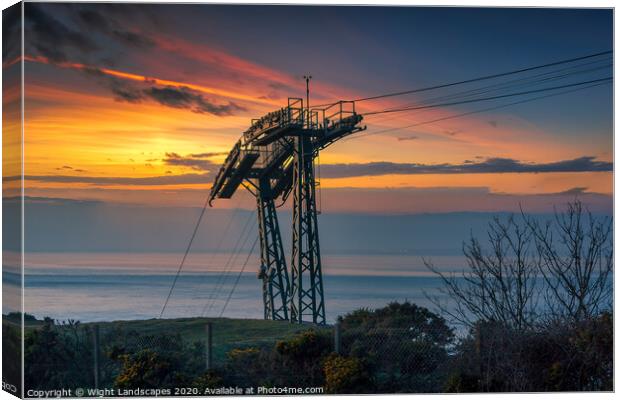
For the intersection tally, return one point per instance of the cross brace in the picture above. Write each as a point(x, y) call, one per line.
point(273, 263)
point(306, 276)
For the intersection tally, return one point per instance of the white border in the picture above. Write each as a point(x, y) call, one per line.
point(479, 3)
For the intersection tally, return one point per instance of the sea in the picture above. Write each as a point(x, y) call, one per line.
point(93, 287)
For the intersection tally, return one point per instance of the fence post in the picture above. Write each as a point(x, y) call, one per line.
point(337, 337)
point(209, 349)
point(96, 354)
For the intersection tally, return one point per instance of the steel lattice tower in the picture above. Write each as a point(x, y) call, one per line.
point(274, 158)
point(307, 278)
point(273, 263)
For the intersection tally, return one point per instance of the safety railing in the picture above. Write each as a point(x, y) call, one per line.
point(293, 115)
point(335, 115)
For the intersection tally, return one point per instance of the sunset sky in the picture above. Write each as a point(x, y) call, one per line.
point(139, 104)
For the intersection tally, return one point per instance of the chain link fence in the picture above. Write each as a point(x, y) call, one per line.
point(124, 355)
point(398, 359)
point(345, 358)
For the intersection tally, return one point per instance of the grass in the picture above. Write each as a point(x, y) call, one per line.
point(227, 333)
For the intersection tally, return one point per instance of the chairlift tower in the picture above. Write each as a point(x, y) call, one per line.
point(273, 158)
point(272, 270)
point(307, 297)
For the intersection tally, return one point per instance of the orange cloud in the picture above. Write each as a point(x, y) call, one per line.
point(164, 82)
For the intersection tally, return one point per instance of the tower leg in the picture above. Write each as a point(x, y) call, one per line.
point(273, 264)
point(306, 277)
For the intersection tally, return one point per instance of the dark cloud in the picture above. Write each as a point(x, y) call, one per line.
point(94, 20)
point(145, 14)
point(112, 28)
point(100, 180)
point(402, 139)
point(279, 86)
point(108, 62)
point(209, 155)
point(70, 168)
point(61, 32)
point(270, 96)
point(133, 39)
point(495, 165)
point(11, 32)
point(491, 165)
point(87, 33)
point(186, 98)
point(124, 92)
point(200, 163)
point(169, 96)
point(94, 72)
point(172, 97)
point(51, 38)
point(58, 201)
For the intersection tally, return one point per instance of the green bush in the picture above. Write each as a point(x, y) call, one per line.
point(56, 356)
point(11, 354)
point(344, 375)
point(146, 369)
point(554, 357)
point(209, 380)
point(295, 361)
point(404, 345)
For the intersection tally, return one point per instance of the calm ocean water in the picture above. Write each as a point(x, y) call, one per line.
point(103, 287)
point(105, 297)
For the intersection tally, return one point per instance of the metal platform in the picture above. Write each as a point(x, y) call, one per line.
point(273, 158)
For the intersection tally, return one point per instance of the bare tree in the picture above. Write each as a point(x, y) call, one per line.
point(566, 261)
point(576, 251)
point(500, 284)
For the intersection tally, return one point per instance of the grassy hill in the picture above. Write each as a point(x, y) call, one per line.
point(227, 333)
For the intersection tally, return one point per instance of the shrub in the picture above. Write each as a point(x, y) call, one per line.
point(344, 375)
point(557, 357)
point(209, 380)
point(405, 346)
point(145, 369)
